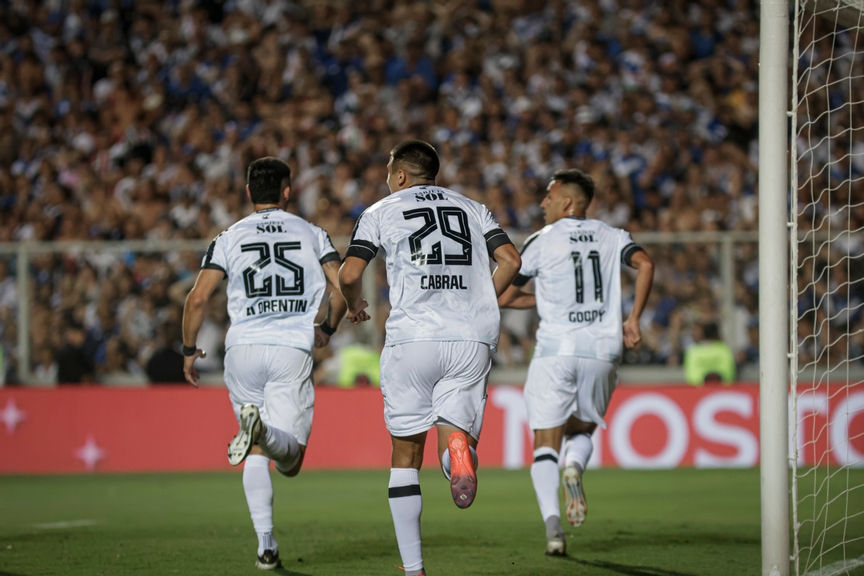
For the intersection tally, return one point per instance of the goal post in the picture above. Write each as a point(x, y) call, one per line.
point(773, 286)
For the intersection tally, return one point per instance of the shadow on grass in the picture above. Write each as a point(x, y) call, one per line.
point(284, 571)
point(628, 570)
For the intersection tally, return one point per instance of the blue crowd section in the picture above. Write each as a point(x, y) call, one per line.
point(129, 120)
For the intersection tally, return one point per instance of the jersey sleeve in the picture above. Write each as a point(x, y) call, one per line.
point(628, 247)
point(492, 232)
point(530, 260)
point(215, 257)
point(366, 238)
point(326, 251)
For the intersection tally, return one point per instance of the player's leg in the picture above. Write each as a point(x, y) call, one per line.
point(550, 397)
point(459, 402)
point(408, 373)
point(406, 503)
point(289, 400)
point(596, 380)
point(245, 377)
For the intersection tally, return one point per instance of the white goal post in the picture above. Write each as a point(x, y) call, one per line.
point(773, 286)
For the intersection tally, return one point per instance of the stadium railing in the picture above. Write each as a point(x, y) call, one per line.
point(720, 248)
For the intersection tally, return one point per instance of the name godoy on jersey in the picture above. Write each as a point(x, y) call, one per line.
point(272, 260)
point(576, 264)
point(437, 245)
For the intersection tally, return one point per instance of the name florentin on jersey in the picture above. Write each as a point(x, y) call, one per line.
point(288, 305)
point(442, 282)
point(582, 237)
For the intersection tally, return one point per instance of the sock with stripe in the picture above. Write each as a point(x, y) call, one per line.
point(406, 504)
point(259, 496)
point(445, 461)
point(544, 474)
point(279, 445)
point(579, 450)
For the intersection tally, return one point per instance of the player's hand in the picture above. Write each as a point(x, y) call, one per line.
point(632, 333)
point(189, 370)
point(355, 316)
point(321, 338)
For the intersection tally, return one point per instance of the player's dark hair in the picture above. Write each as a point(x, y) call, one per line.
point(267, 178)
point(576, 177)
point(417, 158)
point(711, 331)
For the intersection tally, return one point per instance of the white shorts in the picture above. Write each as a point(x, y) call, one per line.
point(429, 383)
point(277, 379)
point(562, 386)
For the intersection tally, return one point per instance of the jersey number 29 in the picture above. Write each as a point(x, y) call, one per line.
point(266, 288)
point(461, 235)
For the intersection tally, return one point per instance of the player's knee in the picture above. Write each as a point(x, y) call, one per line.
point(290, 467)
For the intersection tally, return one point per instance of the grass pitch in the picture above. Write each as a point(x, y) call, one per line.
point(651, 523)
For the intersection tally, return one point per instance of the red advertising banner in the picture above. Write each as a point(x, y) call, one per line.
point(78, 429)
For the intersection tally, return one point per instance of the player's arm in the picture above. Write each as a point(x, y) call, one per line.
point(509, 261)
point(351, 284)
point(193, 317)
point(337, 308)
point(644, 279)
point(516, 297)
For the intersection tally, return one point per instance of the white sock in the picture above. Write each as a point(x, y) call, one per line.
point(406, 504)
point(279, 445)
point(544, 474)
point(445, 461)
point(259, 496)
point(579, 451)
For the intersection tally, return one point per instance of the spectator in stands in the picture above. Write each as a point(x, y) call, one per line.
point(74, 364)
point(138, 122)
point(710, 360)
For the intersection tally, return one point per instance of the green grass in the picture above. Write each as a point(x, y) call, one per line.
point(652, 523)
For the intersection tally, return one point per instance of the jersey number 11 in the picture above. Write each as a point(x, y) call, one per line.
point(594, 256)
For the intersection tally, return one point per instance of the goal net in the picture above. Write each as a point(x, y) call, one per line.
point(827, 288)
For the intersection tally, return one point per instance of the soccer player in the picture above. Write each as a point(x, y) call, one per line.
point(278, 267)
point(443, 325)
point(576, 266)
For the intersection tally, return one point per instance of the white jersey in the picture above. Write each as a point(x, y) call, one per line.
point(272, 260)
point(437, 246)
point(577, 266)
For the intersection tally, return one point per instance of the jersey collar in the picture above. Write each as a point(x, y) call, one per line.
point(266, 210)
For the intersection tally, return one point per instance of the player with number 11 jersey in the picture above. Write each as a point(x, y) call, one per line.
point(576, 266)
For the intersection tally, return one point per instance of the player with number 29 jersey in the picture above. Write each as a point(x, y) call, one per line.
point(438, 245)
point(273, 263)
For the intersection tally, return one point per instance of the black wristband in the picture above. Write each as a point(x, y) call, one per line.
point(326, 328)
point(189, 350)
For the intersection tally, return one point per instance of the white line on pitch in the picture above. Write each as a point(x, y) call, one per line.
point(838, 567)
point(67, 524)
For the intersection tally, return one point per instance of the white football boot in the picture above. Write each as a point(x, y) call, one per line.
point(574, 493)
point(250, 429)
point(556, 546)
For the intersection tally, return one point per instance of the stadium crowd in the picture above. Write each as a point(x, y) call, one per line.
point(135, 120)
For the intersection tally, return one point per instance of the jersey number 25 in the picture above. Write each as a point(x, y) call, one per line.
point(266, 288)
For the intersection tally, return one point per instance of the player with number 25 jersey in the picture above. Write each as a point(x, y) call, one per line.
point(279, 268)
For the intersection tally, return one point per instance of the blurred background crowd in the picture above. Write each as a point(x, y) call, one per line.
point(135, 120)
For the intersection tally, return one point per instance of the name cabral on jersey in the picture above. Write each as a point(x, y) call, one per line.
point(442, 282)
